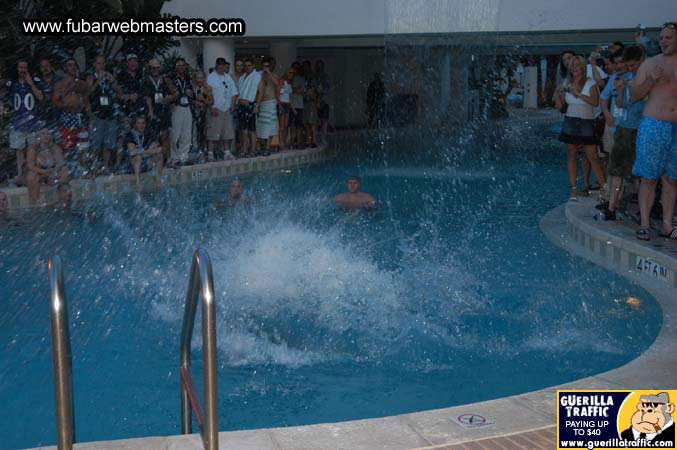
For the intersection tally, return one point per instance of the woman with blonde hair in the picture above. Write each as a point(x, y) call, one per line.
point(578, 97)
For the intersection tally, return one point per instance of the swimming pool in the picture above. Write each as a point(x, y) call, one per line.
point(447, 295)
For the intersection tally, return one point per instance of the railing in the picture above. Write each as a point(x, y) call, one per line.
point(61, 356)
point(200, 284)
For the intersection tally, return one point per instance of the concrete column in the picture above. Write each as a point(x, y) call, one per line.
point(445, 85)
point(218, 47)
point(459, 105)
point(530, 80)
point(284, 53)
point(189, 49)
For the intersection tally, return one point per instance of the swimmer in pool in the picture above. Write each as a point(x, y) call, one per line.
point(235, 196)
point(354, 199)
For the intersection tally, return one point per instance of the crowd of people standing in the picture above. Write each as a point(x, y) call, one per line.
point(69, 124)
point(620, 109)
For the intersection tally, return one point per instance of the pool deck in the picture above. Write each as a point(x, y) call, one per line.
point(524, 421)
point(85, 188)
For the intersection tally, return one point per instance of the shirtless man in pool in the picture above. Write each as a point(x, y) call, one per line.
point(656, 80)
point(354, 199)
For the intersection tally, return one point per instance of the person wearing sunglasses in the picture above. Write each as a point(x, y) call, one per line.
point(219, 129)
point(656, 82)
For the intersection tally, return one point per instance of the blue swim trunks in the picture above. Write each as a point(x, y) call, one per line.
point(656, 149)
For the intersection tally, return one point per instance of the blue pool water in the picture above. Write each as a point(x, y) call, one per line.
point(449, 294)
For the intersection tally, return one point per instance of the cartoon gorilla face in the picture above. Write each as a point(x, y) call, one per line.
point(651, 416)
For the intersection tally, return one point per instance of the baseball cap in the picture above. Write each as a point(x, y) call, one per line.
point(132, 56)
point(221, 61)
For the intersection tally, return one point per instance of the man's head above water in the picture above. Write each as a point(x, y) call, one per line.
point(353, 184)
point(235, 189)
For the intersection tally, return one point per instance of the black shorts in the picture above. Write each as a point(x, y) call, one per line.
point(578, 131)
point(623, 155)
point(246, 119)
point(296, 117)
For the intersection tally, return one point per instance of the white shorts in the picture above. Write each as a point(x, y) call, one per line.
point(19, 140)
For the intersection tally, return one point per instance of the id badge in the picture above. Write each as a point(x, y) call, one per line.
point(158, 97)
point(103, 100)
point(184, 100)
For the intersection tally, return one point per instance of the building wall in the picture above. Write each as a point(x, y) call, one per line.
point(373, 17)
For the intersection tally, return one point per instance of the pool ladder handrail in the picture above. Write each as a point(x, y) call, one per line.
point(62, 358)
point(201, 283)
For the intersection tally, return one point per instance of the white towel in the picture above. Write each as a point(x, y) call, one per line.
point(266, 121)
point(249, 84)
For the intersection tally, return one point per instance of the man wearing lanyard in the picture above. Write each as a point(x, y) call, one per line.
point(132, 84)
point(182, 119)
point(142, 149)
point(103, 90)
point(158, 98)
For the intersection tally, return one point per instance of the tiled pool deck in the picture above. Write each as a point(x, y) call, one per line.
point(81, 188)
point(523, 421)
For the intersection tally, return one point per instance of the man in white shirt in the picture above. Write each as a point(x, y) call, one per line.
point(219, 125)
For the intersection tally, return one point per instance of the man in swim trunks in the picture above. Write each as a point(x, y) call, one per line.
point(354, 199)
point(71, 95)
point(267, 99)
point(248, 87)
point(656, 81)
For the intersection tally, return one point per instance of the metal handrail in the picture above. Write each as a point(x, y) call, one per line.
point(61, 356)
point(201, 283)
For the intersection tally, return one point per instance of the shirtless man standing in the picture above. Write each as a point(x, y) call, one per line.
point(354, 199)
point(267, 99)
point(656, 81)
point(71, 95)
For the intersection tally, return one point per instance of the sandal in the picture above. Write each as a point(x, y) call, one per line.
point(643, 234)
point(672, 235)
point(572, 197)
